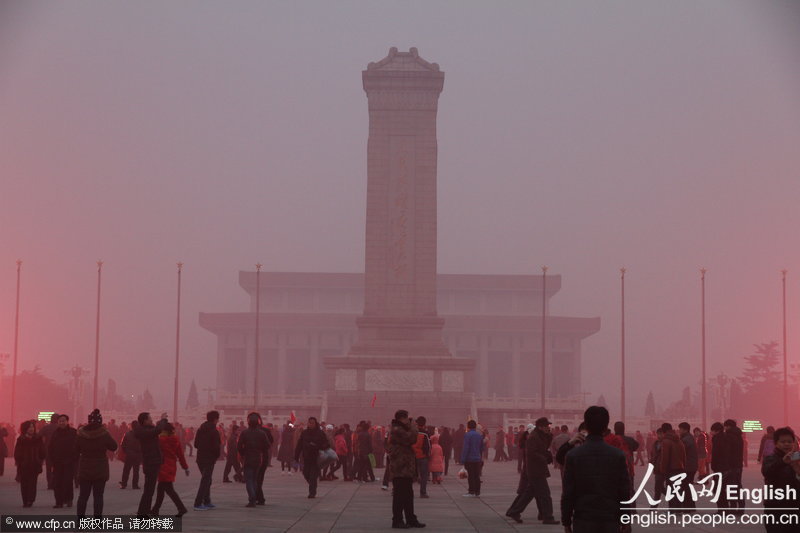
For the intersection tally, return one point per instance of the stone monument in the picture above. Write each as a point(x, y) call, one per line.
point(399, 359)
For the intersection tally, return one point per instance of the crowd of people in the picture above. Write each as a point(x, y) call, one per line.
point(596, 464)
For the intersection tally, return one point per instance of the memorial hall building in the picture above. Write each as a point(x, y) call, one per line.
point(496, 320)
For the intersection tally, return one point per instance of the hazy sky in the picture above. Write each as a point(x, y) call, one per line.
point(662, 136)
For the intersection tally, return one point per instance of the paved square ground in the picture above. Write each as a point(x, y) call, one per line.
point(340, 506)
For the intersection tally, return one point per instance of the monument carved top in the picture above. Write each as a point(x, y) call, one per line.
point(403, 61)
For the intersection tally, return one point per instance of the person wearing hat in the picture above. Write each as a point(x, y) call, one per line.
point(537, 457)
point(91, 447)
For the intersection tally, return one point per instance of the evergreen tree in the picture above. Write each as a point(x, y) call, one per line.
point(192, 402)
point(650, 405)
point(761, 372)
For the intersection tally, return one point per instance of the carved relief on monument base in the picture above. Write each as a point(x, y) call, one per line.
point(398, 380)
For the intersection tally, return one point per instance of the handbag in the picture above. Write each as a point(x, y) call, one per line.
point(326, 457)
point(372, 460)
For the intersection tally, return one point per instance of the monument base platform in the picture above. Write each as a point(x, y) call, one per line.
point(439, 388)
point(439, 408)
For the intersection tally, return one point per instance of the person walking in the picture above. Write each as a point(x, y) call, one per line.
point(253, 446)
point(458, 443)
point(364, 448)
point(701, 445)
point(92, 445)
point(639, 450)
point(523, 491)
point(690, 467)
point(61, 451)
point(286, 450)
point(147, 433)
point(172, 452)
point(29, 454)
point(3, 448)
point(402, 470)
point(422, 452)
point(437, 461)
point(720, 459)
point(446, 442)
point(132, 449)
point(537, 456)
point(340, 446)
point(232, 458)
point(733, 476)
point(672, 460)
point(262, 470)
point(595, 481)
point(312, 441)
point(471, 458)
point(207, 444)
point(500, 446)
point(45, 433)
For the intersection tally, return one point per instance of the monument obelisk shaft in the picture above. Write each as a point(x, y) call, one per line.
point(400, 315)
point(399, 358)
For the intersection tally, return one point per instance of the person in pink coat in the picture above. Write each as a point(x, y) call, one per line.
point(437, 460)
point(172, 452)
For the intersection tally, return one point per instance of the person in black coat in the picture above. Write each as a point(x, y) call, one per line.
point(596, 480)
point(735, 451)
point(207, 444)
point(312, 440)
point(262, 471)
point(780, 471)
point(147, 434)
point(133, 456)
point(3, 449)
point(61, 451)
point(91, 448)
point(446, 442)
point(29, 453)
point(253, 446)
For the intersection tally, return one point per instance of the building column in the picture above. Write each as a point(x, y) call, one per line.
point(483, 363)
point(282, 341)
point(516, 375)
point(314, 381)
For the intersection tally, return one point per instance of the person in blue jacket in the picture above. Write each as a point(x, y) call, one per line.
point(471, 458)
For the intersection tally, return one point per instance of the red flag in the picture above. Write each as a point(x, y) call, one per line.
point(374, 398)
point(292, 418)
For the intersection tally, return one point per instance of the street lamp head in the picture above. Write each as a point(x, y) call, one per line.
point(622, 271)
point(544, 270)
point(180, 266)
point(258, 267)
point(19, 263)
point(99, 264)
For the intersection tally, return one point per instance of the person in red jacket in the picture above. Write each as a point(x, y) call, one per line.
point(172, 452)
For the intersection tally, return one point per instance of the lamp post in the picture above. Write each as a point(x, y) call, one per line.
point(177, 347)
point(258, 314)
point(544, 342)
point(16, 346)
point(622, 343)
point(785, 356)
point(703, 346)
point(97, 337)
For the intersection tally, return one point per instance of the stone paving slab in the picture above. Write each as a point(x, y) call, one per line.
point(339, 506)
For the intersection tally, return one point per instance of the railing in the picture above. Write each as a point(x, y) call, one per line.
point(237, 399)
point(530, 404)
